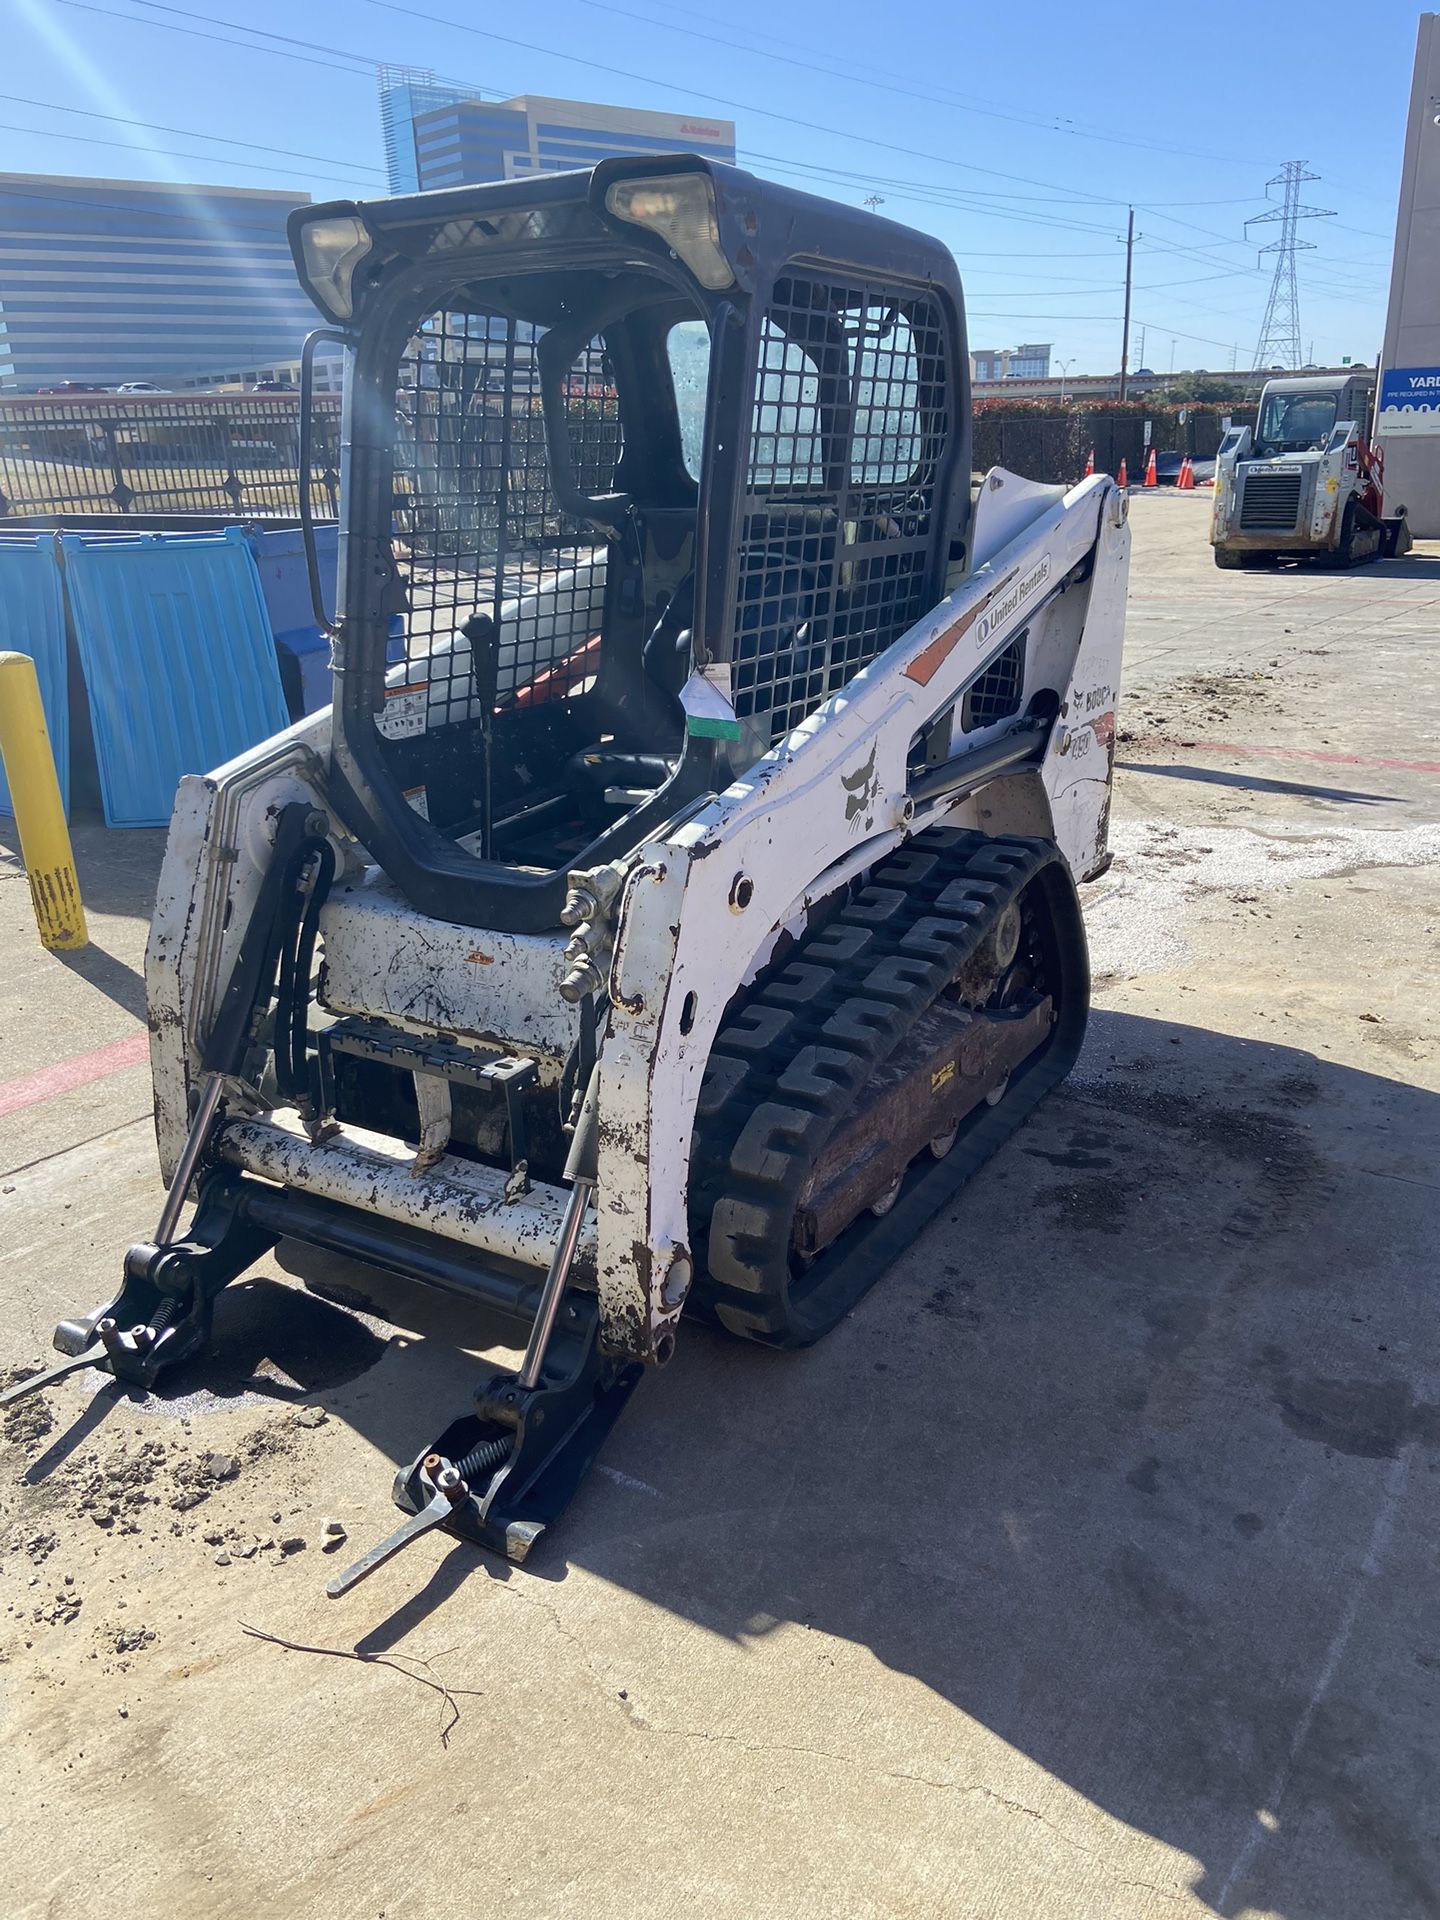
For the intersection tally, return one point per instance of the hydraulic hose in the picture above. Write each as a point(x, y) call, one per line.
point(297, 958)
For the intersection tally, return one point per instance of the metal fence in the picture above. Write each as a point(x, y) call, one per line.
point(153, 454)
point(149, 455)
point(1054, 448)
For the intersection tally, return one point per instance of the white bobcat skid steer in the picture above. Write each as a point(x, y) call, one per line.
point(694, 906)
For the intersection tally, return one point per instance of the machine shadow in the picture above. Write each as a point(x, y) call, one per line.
point(1413, 566)
point(1096, 1487)
point(1105, 1485)
point(1249, 782)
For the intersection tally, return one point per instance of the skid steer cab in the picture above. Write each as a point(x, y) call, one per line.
point(1306, 479)
point(693, 907)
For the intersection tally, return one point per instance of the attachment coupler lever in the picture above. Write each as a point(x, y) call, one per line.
point(448, 1489)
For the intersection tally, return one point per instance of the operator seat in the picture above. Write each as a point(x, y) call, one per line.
point(665, 659)
point(778, 646)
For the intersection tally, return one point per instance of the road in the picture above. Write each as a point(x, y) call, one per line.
point(1089, 1569)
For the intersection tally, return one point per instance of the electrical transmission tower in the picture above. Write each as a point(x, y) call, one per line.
point(1280, 332)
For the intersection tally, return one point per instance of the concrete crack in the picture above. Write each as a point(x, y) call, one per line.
point(798, 1749)
point(910, 1779)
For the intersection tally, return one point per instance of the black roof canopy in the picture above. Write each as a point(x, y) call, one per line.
point(556, 219)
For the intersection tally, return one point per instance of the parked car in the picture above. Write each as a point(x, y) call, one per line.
point(140, 386)
point(67, 387)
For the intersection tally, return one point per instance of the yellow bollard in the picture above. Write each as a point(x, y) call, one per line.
point(39, 814)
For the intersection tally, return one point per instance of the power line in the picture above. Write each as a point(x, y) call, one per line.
point(315, 46)
point(365, 71)
point(720, 99)
point(368, 62)
point(188, 133)
point(967, 103)
point(922, 193)
point(91, 6)
point(168, 153)
point(925, 193)
point(974, 201)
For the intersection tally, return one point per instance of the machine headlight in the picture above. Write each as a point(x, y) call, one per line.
point(680, 207)
point(333, 249)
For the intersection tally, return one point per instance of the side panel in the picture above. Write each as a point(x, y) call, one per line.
point(704, 902)
point(1079, 768)
point(221, 830)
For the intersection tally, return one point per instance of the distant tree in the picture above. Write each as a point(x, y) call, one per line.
point(1201, 386)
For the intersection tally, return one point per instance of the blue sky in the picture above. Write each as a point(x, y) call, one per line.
point(1017, 134)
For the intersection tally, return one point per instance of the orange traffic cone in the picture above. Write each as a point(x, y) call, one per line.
point(1122, 479)
point(1089, 465)
point(1152, 478)
point(1186, 482)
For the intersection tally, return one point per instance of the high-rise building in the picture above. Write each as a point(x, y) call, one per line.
point(406, 93)
point(1028, 362)
point(467, 141)
point(108, 281)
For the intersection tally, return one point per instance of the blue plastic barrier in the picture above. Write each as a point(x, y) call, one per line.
point(304, 648)
point(179, 663)
point(32, 620)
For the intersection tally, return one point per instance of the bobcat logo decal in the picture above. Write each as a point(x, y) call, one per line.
point(860, 787)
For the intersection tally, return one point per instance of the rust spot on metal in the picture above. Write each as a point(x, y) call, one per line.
point(477, 958)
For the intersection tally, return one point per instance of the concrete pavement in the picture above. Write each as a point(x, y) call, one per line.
point(1088, 1569)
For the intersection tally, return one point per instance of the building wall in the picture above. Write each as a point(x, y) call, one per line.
point(1028, 362)
point(470, 141)
point(106, 281)
point(406, 93)
point(1409, 416)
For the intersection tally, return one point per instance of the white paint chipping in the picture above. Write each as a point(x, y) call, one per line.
point(1135, 919)
point(628, 1480)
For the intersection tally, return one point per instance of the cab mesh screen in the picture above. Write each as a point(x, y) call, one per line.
point(476, 525)
point(837, 545)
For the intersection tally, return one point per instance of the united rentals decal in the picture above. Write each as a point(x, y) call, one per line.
point(1001, 611)
point(933, 655)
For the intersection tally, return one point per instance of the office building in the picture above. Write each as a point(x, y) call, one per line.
point(468, 141)
point(1030, 362)
point(108, 281)
point(406, 93)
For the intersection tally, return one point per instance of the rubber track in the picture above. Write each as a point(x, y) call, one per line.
point(787, 1065)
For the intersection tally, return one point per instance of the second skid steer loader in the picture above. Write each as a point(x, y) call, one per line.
point(693, 907)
